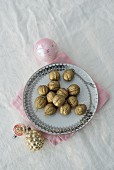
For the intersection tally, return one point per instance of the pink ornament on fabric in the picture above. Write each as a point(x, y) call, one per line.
point(45, 50)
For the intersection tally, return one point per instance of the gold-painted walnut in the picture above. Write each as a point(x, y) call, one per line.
point(80, 109)
point(50, 96)
point(59, 100)
point(65, 109)
point(50, 109)
point(43, 90)
point(54, 85)
point(74, 89)
point(34, 140)
point(72, 100)
point(68, 75)
point(40, 102)
point(63, 92)
point(54, 75)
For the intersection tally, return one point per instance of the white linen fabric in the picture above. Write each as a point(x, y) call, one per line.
point(84, 29)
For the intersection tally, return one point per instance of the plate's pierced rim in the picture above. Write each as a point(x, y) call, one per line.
point(51, 129)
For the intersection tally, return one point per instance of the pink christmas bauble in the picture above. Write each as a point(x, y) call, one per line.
point(19, 129)
point(45, 50)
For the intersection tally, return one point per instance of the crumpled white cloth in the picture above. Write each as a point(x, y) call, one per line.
point(85, 31)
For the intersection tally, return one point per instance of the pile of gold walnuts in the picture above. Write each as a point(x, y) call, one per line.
point(53, 96)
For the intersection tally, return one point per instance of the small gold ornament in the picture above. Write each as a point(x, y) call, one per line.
point(65, 109)
point(58, 100)
point(43, 90)
point(54, 75)
point(63, 92)
point(74, 89)
point(50, 96)
point(50, 109)
point(80, 109)
point(34, 138)
point(54, 85)
point(72, 100)
point(68, 75)
point(40, 102)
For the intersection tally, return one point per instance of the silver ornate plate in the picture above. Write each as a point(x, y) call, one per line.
point(57, 123)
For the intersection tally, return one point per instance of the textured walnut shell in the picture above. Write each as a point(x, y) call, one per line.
point(50, 109)
point(74, 89)
point(65, 109)
point(59, 100)
point(43, 90)
point(72, 100)
point(50, 96)
point(54, 85)
point(63, 92)
point(68, 75)
point(54, 75)
point(80, 109)
point(40, 102)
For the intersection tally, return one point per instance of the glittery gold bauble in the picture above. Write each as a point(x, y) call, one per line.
point(63, 92)
point(50, 96)
point(58, 100)
point(68, 75)
point(80, 109)
point(74, 89)
point(72, 100)
point(40, 102)
point(50, 109)
point(34, 140)
point(65, 109)
point(43, 90)
point(54, 85)
point(54, 75)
